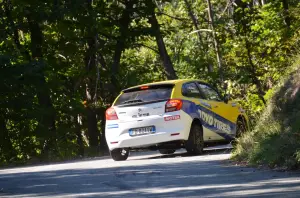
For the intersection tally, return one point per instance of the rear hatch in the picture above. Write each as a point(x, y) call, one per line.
point(143, 102)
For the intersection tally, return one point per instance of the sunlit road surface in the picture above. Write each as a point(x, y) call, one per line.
point(149, 174)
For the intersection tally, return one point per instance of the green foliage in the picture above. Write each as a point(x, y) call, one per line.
point(62, 63)
point(275, 139)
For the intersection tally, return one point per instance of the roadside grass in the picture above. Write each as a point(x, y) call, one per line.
point(275, 139)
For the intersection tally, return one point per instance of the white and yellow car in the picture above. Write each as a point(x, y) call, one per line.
point(170, 115)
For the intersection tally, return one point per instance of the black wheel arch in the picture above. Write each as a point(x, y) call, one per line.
point(196, 121)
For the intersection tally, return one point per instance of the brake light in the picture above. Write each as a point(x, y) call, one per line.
point(173, 105)
point(111, 114)
point(144, 87)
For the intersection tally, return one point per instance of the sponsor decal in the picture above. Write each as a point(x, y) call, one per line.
point(112, 126)
point(140, 114)
point(174, 117)
point(210, 119)
point(214, 122)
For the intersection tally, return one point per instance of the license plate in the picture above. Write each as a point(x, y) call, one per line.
point(142, 131)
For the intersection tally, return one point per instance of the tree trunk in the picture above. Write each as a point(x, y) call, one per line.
point(93, 133)
point(47, 120)
point(168, 66)
point(120, 45)
point(194, 20)
point(287, 18)
point(196, 25)
point(255, 80)
point(239, 19)
point(90, 80)
point(79, 138)
point(90, 63)
point(219, 59)
point(103, 143)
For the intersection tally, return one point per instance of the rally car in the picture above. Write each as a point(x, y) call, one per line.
point(170, 115)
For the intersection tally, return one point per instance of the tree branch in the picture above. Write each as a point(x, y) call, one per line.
point(227, 6)
point(146, 46)
point(173, 17)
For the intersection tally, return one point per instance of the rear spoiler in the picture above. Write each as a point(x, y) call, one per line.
point(154, 86)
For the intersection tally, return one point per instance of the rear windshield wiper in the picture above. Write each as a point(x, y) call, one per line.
point(132, 101)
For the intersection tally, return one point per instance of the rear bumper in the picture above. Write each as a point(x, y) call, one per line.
point(145, 140)
point(117, 134)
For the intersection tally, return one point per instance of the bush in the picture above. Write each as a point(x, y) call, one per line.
point(275, 140)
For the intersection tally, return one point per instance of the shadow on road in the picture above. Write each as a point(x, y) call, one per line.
point(185, 154)
point(174, 175)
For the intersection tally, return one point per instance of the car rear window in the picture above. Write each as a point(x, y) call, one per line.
point(144, 96)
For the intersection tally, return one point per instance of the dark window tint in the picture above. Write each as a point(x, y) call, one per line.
point(190, 90)
point(146, 95)
point(209, 92)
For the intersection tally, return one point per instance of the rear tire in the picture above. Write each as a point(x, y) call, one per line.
point(195, 144)
point(119, 154)
point(167, 151)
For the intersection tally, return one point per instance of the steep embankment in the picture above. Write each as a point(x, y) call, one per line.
point(275, 140)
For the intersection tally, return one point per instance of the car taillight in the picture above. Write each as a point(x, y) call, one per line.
point(111, 114)
point(173, 105)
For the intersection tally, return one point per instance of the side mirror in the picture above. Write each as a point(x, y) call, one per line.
point(226, 98)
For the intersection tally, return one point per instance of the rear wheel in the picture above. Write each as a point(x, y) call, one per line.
point(119, 154)
point(167, 151)
point(195, 143)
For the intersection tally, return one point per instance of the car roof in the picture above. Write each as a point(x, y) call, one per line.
point(164, 82)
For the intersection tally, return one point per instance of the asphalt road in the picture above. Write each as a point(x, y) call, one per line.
point(149, 174)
